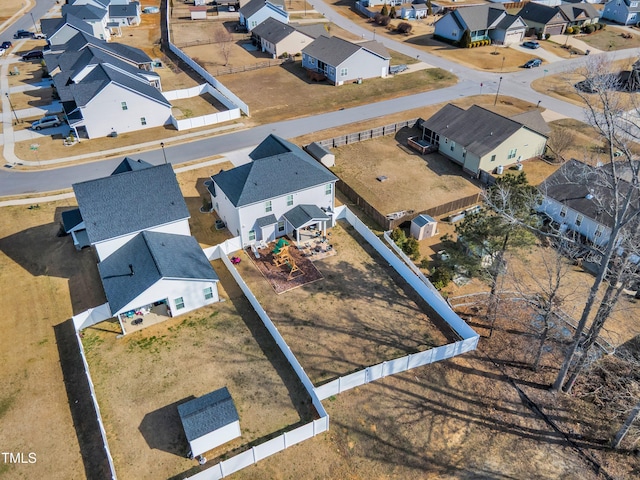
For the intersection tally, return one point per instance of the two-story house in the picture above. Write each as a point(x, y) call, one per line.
point(625, 12)
point(282, 189)
point(254, 12)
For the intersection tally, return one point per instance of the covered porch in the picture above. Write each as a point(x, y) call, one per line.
point(307, 221)
point(143, 317)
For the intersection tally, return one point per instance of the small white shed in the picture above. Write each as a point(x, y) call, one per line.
point(198, 13)
point(423, 226)
point(199, 3)
point(209, 421)
point(322, 154)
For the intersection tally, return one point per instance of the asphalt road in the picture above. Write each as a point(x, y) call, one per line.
point(516, 84)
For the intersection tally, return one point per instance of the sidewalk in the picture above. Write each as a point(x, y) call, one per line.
point(575, 42)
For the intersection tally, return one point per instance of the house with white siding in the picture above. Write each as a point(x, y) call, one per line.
point(281, 190)
point(342, 61)
point(479, 139)
point(254, 12)
point(138, 223)
point(97, 18)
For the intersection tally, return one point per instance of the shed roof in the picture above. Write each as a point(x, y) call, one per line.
point(130, 202)
point(278, 168)
point(317, 151)
point(147, 258)
point(207, 414)
point(422, 220)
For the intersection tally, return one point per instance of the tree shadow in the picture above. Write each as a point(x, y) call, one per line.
point(162, 429)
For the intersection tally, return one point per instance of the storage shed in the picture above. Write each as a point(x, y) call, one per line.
point(209, 421)
point(322, 154)
point(423, 226)
point(199, 12)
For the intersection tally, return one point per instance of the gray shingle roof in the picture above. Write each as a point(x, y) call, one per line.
point(300, 215)
point(129, 165)
point(123, 52)
point(539, 13)
point(152, 256)
point(273, 30)
point(376, 48)
point(534, 120)
point(207, 413)
point(130, 202)
point(254, 6)
point(266, 221)
point(70, 219)
point(422, 220)
point(317, 151)
point(85, 12)
point(573, 11)
point(129, 10)
point(51, 26)
point(314, 30)
point(278, 168)
point(480, 17)
point(331, 50)
point(477, 129)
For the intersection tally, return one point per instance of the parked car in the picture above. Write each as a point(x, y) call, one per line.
point(33, 54)
point(6, 45)
point(22, 34)
point(533, 45)
point(2, 50)
point(534, 62)
point(40, 36)
point(46, 122)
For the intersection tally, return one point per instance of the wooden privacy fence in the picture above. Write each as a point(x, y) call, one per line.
point(375, 132)
point(248, 68)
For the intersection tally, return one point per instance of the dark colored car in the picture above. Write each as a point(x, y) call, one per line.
point(6, 45)
point(536, 62)
point(33, 54)
point(22, 34)
point(533, 45)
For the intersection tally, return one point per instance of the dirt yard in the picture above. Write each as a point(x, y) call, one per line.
point(10, 7)
point(361, 313)
point(140, 380)
point(204, 104)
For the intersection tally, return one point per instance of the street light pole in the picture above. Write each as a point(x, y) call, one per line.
point(163, 152)
point(35, 26)
point(12, 109)
point(497, 92)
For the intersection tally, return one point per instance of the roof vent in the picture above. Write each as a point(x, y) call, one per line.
point(589, 196)
point(491, 133)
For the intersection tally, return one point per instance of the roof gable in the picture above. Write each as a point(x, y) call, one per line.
point(539, 13)
point(278, 168)
point(130, 202)
point(480, 17)
point(273, 30)
point(130, 165)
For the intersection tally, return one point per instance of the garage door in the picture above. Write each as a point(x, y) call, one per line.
point(513, 37)
point(554, 29)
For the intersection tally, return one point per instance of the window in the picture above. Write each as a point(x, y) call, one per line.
point(453, 145)
point(343, 72)
point(143, 120)
point(464, 153)
point(267, 206)
point(179, 303)
point(289, 200)
point(512, 153)
point(311, 60)
point(563, 212)
point(252, 235)
point(579, 219)
point(124, 105)
point(493, 158)
point(280, 226)
point(599, 230)
point(328, 189)
point(208, 293)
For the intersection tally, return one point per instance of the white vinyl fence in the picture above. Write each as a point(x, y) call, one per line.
point(203, 72)
point(202, 120)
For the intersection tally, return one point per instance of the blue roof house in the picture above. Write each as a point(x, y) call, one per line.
point(281, 190)
point(254, 12)
point(625, 12)
point(342, 61)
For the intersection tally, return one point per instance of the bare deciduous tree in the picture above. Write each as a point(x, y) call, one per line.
point(224, 40)
point(560, 140)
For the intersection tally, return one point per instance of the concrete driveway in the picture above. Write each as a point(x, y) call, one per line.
point(574, 42)
point(540, 53)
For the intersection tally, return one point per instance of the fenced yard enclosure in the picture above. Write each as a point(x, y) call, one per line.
point(414, 183)
point(155, 393)
point(232, 112)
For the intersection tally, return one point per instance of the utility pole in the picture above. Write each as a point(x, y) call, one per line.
point(497, 92)
point(12, 109)
point(163, 152)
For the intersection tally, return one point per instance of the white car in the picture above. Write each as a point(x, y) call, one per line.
point(2, 50)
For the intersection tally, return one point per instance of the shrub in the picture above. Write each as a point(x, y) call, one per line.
point(569, 30)
point(384, 21)
point(392, 12)
point(441, 277)
point(412, 248)
point(465, 41)
point(547, 36)
point(424, 263)
point(589, 29)
point(385, 10)
point(539, 35)
point(404, 27)
point(398, 236)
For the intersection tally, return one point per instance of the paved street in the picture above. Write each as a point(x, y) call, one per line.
point(510, 84)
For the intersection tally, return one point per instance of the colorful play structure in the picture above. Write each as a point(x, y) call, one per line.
point(282, 256)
